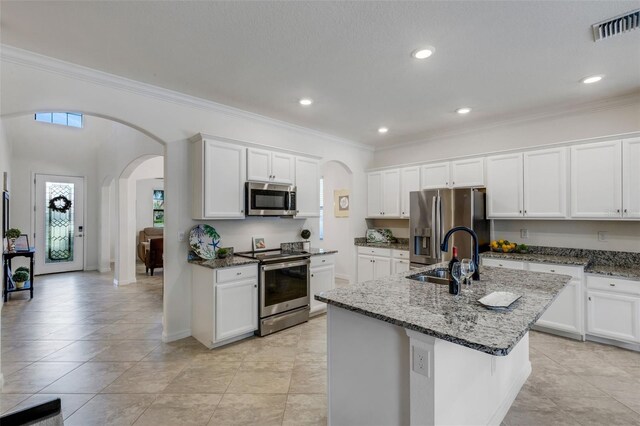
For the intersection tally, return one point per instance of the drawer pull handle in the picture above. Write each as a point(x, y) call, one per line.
point(552, 270)
point(589, 298)
point(323, 261)
point(499, 264)
point(238, 273)
point(612, 284)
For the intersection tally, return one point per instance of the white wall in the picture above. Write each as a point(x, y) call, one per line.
point(34, 83)
point(144, 200)
point(620, 117)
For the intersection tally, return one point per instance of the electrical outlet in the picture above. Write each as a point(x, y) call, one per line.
point(602, 236)
point(421, 361)
point(524, 233)
point(181, 235)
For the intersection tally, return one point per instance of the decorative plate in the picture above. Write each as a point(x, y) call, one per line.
point(379, 236)
point(204, 240)
point(499, 299)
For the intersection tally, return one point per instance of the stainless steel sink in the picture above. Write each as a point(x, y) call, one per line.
point(436, 276)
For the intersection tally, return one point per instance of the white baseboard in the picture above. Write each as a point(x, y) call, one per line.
point(91, 268)
point(514, 390)
point(624, 345)
point(1, 380)
point(104, 270)
point(170, 337)
point(344, 277)
point(123, 282)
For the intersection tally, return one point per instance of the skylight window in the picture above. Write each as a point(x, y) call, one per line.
point(70, 119)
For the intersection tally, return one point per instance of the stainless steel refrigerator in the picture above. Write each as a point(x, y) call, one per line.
point(434, 212)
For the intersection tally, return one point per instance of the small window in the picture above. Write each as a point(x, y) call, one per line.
point(321, 226)
point(63, 118)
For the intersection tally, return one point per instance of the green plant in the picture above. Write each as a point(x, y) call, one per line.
point(305, 233)
point(222, 252)
point(13, 233)
point(20, 276)
point(23, 269)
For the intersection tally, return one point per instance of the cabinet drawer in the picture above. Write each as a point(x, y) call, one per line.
point(322, 260)
point(400, 254)
point(574, 271)
point(611, 284)
point(374, 251)
point(226, 275)
point(501, 263)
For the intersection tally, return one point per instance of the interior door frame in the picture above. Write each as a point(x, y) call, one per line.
point(84, 211)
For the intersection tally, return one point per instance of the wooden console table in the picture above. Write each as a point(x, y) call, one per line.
point(8, 285)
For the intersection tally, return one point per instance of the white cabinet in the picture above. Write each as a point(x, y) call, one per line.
point(236, 308)
point(381, 267)
point(614, 316)
point(307, 187)
point(631, 178)
point(504, 186)
point(269, 166)
point(218, 177)
point(596, 180)
point(365, 268)
point(399, 265)
point(435, 176)
point(467, 173)
point(224, 304)
point(409, 182)
point(383, 190)
point(545, 183)
point(376, 263)
point(322, 279)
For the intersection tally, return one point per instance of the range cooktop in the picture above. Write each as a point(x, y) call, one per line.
point(274, 255)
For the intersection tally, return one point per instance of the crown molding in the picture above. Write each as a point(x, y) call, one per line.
point(545, 113)
point(48, 64)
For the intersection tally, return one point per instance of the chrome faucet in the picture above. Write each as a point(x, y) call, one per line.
point(476, 257)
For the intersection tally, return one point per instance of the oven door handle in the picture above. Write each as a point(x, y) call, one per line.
point(283, 265)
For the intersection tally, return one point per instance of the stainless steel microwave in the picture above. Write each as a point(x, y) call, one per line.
point(270, 199)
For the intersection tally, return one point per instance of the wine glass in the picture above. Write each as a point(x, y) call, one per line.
point(457, 275)
point(467, 267)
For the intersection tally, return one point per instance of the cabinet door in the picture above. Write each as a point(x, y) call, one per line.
point(308, 188)
point(322, 279)
point(564, 314)
point(467, 173)
point(434, 176)
point(596, 180)
point(282, 168)
point(236, 309)
point(381, 267)
point(615, 316)
point(545, 183)
point(631, 178)
point(399, 265)
point(258, 165)
point(223, 183)
point(374, 194)
point(409, 182)
point(365, 268)
point(391, 193)
point(504, 186)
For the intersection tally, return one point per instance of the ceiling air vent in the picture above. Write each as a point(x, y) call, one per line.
point(618, 25)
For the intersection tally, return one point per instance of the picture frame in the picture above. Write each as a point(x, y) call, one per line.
point(158, 218)
point(341, 203)
point(158, 199)
point(258, 243)
point(22, 243)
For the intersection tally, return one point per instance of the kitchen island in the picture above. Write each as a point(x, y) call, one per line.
point(407, 352)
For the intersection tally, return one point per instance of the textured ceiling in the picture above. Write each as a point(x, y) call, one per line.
point(353, 58)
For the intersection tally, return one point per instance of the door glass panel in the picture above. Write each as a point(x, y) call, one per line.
point(59, 207)
point(285, 285)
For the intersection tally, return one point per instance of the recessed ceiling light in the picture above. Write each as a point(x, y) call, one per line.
point(306, 101)
point(423, 53)
point(383, 130)
point(592, 79)
point(463, 110)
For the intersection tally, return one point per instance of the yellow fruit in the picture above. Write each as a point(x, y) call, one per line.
point(505, 249)
point(501, 241)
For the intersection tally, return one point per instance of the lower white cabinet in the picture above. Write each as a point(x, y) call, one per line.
point(224, 304)
point(399, 265)
point(375, 263)
point(322, 279)
point(613, 308)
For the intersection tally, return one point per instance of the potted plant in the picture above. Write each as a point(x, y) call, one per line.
point(222, 253)
point(305, 234)
point(12, 234)
point(19, 278)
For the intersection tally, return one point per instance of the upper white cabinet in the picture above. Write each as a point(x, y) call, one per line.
point(631, 178)
point(383, 193)
point(307, 187)
point(467, 173)
point(268, 166)
point(545, 183)
point(218, 174)
point(409, 182)
point(504, 186)
point(596, 180)
point(434, 176)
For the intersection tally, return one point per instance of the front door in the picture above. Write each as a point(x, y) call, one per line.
point(59, 224)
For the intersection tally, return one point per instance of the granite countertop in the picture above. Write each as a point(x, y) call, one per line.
point(614, 271)
point(397, 246)
point(319, 252)
point(430, 309)
point(227, 262)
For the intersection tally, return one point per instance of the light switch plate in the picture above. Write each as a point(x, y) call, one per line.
point(421, 361)
point(181, 236)
point(524, 233)
point(602, 236)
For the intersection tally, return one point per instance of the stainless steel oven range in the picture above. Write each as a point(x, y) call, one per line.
point(283, 289)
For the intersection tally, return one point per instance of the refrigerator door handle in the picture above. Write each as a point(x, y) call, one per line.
point(439, 230)
point(434, 229)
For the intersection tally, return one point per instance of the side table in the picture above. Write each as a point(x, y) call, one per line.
point(8, 285)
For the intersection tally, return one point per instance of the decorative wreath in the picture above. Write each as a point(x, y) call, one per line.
point(60, 204)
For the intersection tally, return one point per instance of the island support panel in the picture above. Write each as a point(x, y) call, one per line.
point(371, 379)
